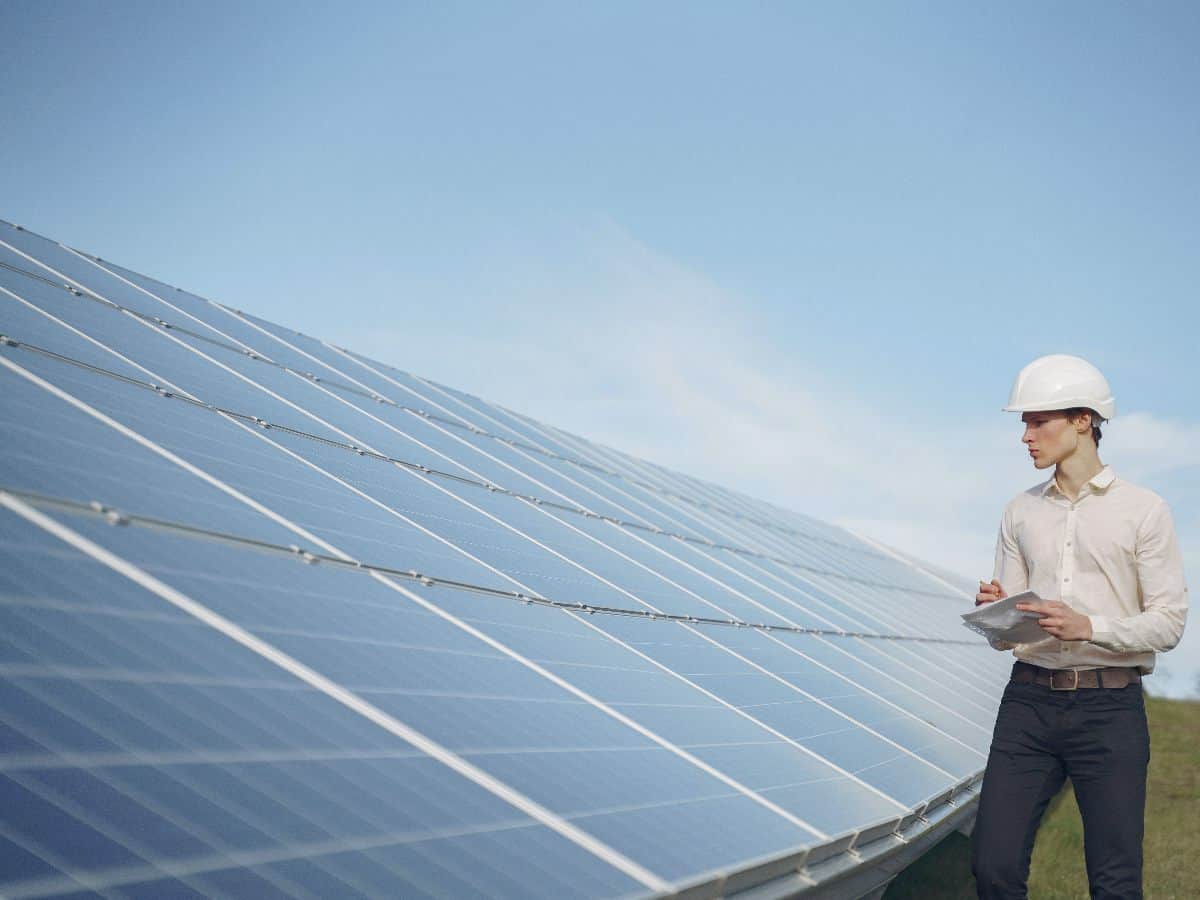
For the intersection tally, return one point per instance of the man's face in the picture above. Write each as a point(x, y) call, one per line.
point(1049, 436)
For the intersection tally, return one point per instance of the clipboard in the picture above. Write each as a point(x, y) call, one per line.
point(1001, 620)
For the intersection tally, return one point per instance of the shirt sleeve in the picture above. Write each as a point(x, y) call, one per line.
point(1010, 569)
point(1164, 601)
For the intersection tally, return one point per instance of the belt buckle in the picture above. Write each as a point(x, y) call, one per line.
point(1073, 687)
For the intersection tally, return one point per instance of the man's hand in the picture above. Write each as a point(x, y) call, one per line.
point(1060, 621)
point(989, 593)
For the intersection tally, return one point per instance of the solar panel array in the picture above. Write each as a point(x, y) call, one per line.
point(277, 619)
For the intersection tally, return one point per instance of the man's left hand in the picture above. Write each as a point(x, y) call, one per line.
point(1060, 621)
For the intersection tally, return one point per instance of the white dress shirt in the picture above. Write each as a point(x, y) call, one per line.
point(1110, 554)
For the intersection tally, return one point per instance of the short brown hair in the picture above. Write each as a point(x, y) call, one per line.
point(1076, 411)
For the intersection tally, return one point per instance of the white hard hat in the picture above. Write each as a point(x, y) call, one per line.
point(1059, 381)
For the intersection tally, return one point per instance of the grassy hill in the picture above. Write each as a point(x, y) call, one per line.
point(1172, 844)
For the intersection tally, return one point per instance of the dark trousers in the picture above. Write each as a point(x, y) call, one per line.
point(1097, 737)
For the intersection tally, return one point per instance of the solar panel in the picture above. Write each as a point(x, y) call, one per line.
point(280, 619)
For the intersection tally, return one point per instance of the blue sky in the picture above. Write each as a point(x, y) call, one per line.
point(797, 248)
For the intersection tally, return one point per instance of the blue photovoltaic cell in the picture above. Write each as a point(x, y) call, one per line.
point(51, 447)
point(143, 753)
point(127, 755)
point(539, 738)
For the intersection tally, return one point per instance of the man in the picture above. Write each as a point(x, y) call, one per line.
point(1102, 554)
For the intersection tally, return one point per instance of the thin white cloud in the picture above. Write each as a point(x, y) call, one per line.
point(1152, 446)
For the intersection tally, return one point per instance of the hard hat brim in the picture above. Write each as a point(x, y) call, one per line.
point(1105, 409)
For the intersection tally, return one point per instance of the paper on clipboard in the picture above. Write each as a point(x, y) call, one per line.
point(1001, 620)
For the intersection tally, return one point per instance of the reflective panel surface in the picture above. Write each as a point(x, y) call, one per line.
point(277, 619)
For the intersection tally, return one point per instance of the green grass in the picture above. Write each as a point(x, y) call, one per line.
point(1171, 847)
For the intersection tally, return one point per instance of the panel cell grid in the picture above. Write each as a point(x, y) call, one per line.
point(279, 620)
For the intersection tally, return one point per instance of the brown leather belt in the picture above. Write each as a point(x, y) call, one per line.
point(1070, 679)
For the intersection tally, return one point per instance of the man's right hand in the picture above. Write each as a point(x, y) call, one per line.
point(989, 593)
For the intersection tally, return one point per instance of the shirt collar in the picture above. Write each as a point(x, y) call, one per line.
point(1099, 482)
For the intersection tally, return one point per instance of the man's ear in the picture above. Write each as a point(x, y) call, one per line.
point(1083, 422)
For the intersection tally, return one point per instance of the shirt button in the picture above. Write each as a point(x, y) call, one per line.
point(1068, 543)
point(1068, 578)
